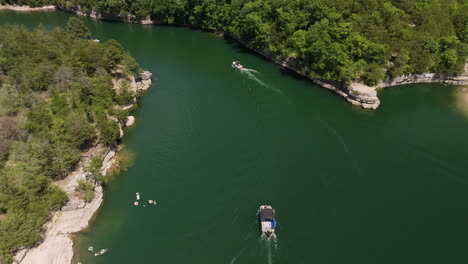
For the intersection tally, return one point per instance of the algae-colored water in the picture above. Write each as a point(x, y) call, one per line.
point(212, 144)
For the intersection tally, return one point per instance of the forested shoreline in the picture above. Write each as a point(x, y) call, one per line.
point(56, 101)
point(337, 40)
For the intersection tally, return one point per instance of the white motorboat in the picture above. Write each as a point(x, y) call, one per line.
point(237, 65)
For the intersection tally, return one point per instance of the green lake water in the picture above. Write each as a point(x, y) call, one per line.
point(211, 144)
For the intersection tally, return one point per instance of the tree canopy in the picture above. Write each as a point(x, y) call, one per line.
point(339, 40)
point(77, 29)
point(55, 102)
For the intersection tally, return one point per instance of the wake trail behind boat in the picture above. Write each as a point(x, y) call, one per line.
point(250, 70)
point(269, 243)
point(343, 143)
point(250, 74)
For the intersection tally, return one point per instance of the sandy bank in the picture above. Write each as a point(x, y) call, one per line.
point(26, 8)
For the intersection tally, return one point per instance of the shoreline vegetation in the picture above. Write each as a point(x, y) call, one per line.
point(62, 114)
point(352, 48)
point(97, 154)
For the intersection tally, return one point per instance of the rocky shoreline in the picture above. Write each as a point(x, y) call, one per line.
point(27, 8)
point(57, 245)
point(360, 94)
point(357, 93)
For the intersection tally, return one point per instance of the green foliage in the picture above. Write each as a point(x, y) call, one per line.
point(373, 74)
point(124, 96)
point(86, 189)
point(339, 40)
point(120, 114)
point(114, 53)
point(94, 169)
point(77, 29)
point(55, 100)
point(26, 207)
point(130, 65)
point(102, 92)
point(109, 129)
point(39, 119)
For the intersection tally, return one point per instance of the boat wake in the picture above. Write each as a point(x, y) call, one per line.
point(343, 143)
point(270, 243)
point(250, 73)
point(250, 70)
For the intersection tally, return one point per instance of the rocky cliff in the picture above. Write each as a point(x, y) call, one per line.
point(363, 95)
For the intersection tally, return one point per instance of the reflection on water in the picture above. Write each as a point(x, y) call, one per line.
point(126, 158)
point(353, 185)
point(461, 100)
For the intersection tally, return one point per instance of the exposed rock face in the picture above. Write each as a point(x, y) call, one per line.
point(456, 79)
point(146, 75)
point(360, 94)
point(129, 121)
point(145, 82)
point(108, 161)
point(121, 133)
point(57, 247)
point(356, 93)
point(98, 15)
point(364, 95)
point(27, 8)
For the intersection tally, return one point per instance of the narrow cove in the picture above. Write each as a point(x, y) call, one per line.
point(211, 144)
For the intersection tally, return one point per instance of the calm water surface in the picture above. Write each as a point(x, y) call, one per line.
point(212, 144)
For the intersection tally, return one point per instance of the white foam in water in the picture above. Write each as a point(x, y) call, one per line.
point(269, 242)
point(246, 69)
point(250, 74)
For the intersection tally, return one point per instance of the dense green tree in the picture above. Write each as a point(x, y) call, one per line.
point(114, 53)
point(339, 40)
point(55, 100)
point(77, 29)
point(396, 36)
point(79, 131)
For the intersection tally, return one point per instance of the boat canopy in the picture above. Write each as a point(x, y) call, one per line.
point(267, 214)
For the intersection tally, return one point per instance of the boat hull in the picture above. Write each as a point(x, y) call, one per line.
point(237, 65)
point(266, 217)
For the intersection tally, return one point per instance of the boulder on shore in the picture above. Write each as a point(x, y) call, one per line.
point(129, 121)
point(145, 81)
point(146, 75)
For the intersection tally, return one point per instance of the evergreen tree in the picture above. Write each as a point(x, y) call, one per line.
point(77, 29)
